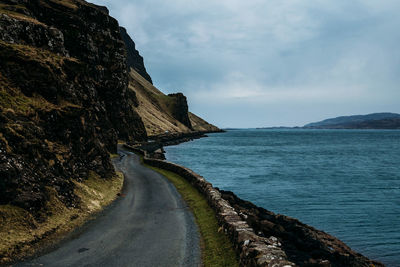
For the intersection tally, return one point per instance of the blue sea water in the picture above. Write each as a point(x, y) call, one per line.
point(344, 182)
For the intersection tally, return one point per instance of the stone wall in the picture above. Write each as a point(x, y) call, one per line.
point(263, 238)
point(303, 244)
point(253, 250)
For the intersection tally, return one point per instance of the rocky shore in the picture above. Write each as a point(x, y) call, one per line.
point(302, 244)
point(72, 85)
point(261, 237)
point(154, 147)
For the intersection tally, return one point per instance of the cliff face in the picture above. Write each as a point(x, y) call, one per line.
point(64, 98)
point(69, 76)
point(180, 109)
point(161, 113)
point(134, 59)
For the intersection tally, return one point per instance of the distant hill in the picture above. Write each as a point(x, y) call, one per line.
point(370, 121)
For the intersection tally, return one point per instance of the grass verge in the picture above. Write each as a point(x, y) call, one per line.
point(113, 156)
point(217, 249)
point(22, 235)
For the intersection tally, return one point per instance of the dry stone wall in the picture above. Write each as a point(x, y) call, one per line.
point(263, 238)
point(253, 250)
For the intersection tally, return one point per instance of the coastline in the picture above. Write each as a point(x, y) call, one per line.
point(261, 237)
point(154, 147)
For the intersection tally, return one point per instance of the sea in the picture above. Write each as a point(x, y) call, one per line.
point(344, 182)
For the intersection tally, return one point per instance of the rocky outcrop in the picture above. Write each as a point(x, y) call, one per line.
point(179, 109)
point(70, 83)
point(64, 98)
point(134, 59)
point(262, 238)
point(303, 244)
point(201, 125)
point(163, 114)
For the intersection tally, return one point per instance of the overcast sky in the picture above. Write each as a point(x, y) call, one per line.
point(270, 62)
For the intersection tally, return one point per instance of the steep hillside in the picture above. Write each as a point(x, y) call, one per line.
point(370, 121)
point(70, 88)
point(161, 113)
point(64, 99)
point(201, 125)
point(134, 59)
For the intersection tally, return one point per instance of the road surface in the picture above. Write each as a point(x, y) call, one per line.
point(149, 225)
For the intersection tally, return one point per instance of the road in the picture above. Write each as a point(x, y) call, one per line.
point(149, 225)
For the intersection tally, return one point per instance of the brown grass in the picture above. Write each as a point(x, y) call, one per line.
point(11, 99)
point(15, 102)
point(154, 107)
point(21, 235)
point(34, 53)
point(199, 124)
point(5, 9)
point(67, 3)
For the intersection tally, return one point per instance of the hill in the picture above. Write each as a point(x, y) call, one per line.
point(161, 113)
point(72, 84)
point(370, 121)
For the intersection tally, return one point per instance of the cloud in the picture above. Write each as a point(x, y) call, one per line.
point(236, 87)
point(273, 53)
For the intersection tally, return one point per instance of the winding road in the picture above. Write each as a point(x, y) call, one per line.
point(149, 225)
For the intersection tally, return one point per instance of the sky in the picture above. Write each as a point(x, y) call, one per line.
point(260, 63)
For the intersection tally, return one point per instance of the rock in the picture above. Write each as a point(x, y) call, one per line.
point(179, 109)
point(64, 99)
point(134, 59)
point(303, 244)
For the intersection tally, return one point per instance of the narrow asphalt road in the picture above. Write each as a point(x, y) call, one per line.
point(149, 225)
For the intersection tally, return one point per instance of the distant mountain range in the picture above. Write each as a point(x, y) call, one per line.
point(370, 121)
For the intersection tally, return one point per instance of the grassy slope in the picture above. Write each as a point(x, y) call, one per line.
point(22, 235)
point(155, 109)
point(217, 250)
point(201, 125)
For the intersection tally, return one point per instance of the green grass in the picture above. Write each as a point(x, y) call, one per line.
point(217, 250)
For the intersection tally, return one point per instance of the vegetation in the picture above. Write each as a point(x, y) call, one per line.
point(113, 156)
point(22, 235)
point(217, 250)
point(66, 3)
point(155, 108)
point(17, 12)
